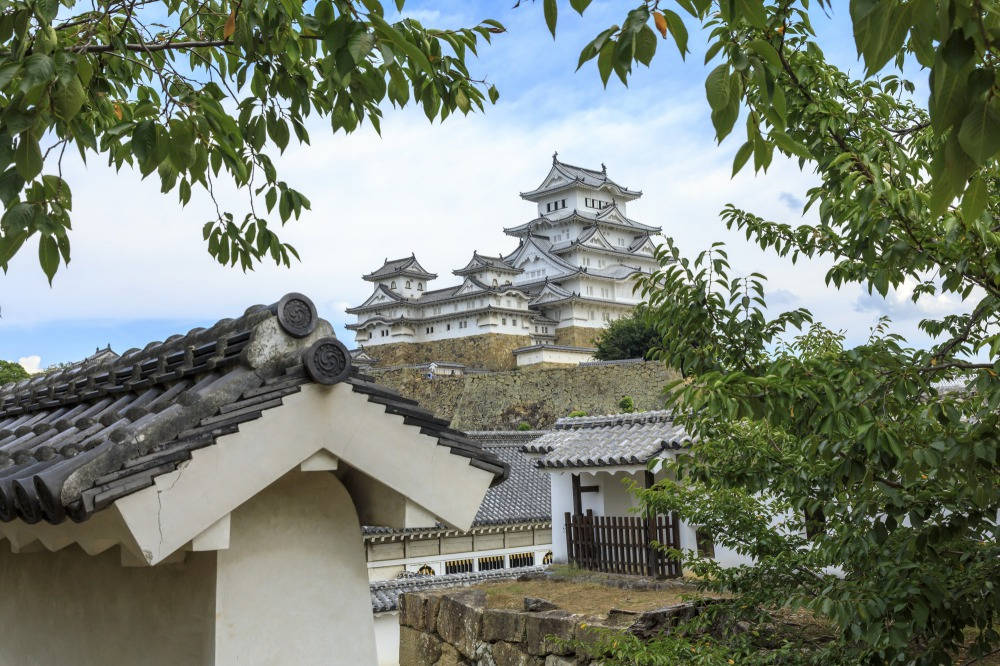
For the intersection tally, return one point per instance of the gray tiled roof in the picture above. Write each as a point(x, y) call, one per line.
point(481, 261)
point(583, 176)
point(582, 216)
point(75, 440)
point(615, 439)
point(405, 266)
point(525, 495)
point(386, 593)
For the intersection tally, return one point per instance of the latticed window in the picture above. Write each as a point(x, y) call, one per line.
point(522, 560)
point(491, 562)
point(426, 570)
point(548, 558)
point(458, 566)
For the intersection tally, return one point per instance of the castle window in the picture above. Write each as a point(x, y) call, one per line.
point(420, 286)
point(494, 282)
point(447, 327)
point(491, 562)
point(503, 321)
point(407, 284)
point(547, 559)
point(426, 570)
point(458, 566)
point(522, 560)
point(393, 285)
point(513, 321)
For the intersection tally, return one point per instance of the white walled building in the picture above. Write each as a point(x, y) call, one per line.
point(200, 500)
point(570, 274)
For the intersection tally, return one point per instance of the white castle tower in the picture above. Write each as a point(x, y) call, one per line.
point(570, 275)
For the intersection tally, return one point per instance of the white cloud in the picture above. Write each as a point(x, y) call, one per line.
point(32, 364)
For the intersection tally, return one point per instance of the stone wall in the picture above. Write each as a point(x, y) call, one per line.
point(492, 351)
point(455, 628)
point(502, 400)
point(577, 336)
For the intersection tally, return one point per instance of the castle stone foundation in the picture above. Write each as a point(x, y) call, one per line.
point(492, 351)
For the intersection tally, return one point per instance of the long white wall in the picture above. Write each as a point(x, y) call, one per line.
point(68, 607)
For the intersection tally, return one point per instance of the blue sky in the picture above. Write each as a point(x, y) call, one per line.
point(140, 272)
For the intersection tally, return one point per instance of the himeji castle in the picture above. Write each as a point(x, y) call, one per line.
point(569, 276)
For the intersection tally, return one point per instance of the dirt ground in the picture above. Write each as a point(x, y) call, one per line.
point(585, 598)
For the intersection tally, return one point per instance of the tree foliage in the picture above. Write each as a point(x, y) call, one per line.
point(630, 336)
point(863, 486)
point(197, 90)
point(11, 372)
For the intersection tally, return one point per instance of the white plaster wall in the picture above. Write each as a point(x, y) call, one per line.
point(292, 587)
point(553, 356)
point(562, 502)
point(617, 500)
point(387, 638)
point(68, 607)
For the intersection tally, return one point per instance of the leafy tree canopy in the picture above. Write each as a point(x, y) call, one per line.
point(861, 483)
point(197, 90)
point(631, 336)
point(11, 372)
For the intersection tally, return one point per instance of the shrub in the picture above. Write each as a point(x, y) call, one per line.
point(523, 425)
point(626, 404)
point(576, 413)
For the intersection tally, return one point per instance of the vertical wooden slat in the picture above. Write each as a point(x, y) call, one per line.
point(630, 543)
point(589, 530)
point(675, 541)
point(661, 537)
point(619, 546)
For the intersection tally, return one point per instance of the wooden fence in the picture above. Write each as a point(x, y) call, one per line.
point(623, 544)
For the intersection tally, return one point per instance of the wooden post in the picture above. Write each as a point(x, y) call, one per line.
point(652, 554)
point(577, 496)
point(675, 541)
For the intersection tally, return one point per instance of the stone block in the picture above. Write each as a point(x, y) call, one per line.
point(417, 648)
point(431, 604)
point(503, 625)
point(662, 620)
point(459, 619)
point(541, 631)
point(449, 657)
point(536, 605)
point(557, 660)
point(411, 607)
point(512, 654)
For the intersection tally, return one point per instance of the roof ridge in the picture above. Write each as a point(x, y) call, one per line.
point(603, 420)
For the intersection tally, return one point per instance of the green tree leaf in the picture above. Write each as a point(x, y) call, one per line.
point(48, 256)
point(28, 157)
point(551, 15)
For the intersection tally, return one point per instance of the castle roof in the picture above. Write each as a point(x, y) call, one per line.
point(481, 262)
point(611, 440)
point(610, 217)
point(405, 267)
point(564, 176)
